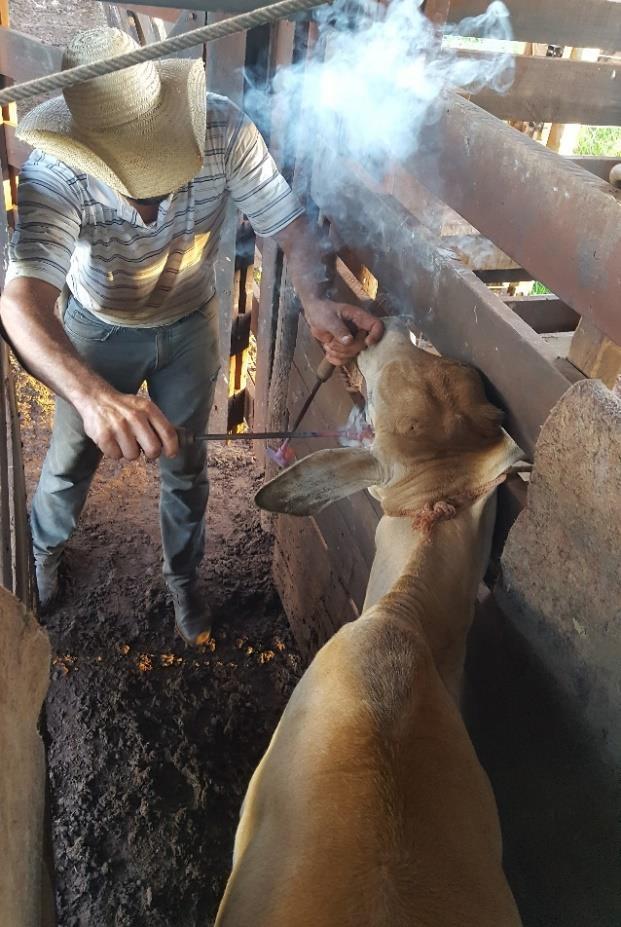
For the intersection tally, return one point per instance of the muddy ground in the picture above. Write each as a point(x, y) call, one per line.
point(53, 21)
point(152, 745)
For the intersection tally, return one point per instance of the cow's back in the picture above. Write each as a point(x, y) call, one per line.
point(369, 807)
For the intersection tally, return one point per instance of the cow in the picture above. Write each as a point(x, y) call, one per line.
point(370, 807)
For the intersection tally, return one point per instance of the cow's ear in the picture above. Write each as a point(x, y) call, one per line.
point(319, 479)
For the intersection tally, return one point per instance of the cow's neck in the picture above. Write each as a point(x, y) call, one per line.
point(433, 578)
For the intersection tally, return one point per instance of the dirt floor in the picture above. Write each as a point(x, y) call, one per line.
point(53, 21)
point(152, 745)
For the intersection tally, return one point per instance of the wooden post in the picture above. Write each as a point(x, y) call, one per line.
point(17, 571)
point(289, 307)
point(281, 55)
point(595, 355)
point(8, 117)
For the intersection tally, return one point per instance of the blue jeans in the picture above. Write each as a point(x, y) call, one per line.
point(180, 364)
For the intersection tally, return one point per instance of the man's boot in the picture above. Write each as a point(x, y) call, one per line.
point(192, 613)
point(46, 572)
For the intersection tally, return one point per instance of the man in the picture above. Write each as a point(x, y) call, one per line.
point(122, 202)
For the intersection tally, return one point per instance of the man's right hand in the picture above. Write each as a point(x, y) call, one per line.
point(122, 426)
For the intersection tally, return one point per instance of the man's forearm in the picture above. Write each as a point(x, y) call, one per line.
point(39, 339)
point(306, 262)
point(343, 329)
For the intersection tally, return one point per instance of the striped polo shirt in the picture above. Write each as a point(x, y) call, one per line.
point(72, 228)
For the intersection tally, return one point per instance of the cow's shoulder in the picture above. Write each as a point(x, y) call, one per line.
point(394, 665)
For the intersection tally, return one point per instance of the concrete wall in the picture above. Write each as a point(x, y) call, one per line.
point(24, 672)
point(545, 674)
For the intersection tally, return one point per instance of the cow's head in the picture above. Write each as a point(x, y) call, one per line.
point(436, 437)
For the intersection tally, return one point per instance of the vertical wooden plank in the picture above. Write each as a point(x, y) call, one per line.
point(6, 552)
point(269, 297)
point(437, 11)
point(23, 565)
point(284, 347)
point(8, 116)
point(16, 569)
point(595, 355)
point(6, 556)
point(281, 55)
point(314, 596)
point(24, 674)
point(188, 20)
point(225, 62)
point(305, 47)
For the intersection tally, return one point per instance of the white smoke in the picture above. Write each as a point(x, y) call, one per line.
point(357, 432)
point(383, 72)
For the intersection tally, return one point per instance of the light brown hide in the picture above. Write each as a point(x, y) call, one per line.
point(370, 807)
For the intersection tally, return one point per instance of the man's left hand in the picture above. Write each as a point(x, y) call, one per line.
point(343, 330)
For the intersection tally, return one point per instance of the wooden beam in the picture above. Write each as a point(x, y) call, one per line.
point(478, 252)
point(188, 20)
point(226, 7)
point(440, 218)
point(531, 203)
point(595, 355)
point(17, 151)
point(348, 527)
point(24, 58)
point(559, 342)
point(545, 313)
point(555, 90)
point(22, 555)
point(581, 23)
point(454, 310)
point(512, 498)
point(167, 13)
point(6, 526)
point(281, 55)
point(515, 275)
point(312, 593)
point(601, 167)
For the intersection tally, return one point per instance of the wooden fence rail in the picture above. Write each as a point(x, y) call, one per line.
point(532, 204)
point(580, 23)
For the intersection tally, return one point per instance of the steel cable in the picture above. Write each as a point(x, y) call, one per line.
point(84, 72)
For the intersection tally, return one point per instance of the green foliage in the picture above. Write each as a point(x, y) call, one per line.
point(538, 289)
point(600, 141)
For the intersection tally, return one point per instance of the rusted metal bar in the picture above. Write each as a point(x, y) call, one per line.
point(455, 311)
point(554, 219)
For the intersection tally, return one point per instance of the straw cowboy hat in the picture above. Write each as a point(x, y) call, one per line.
point(140, 130)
